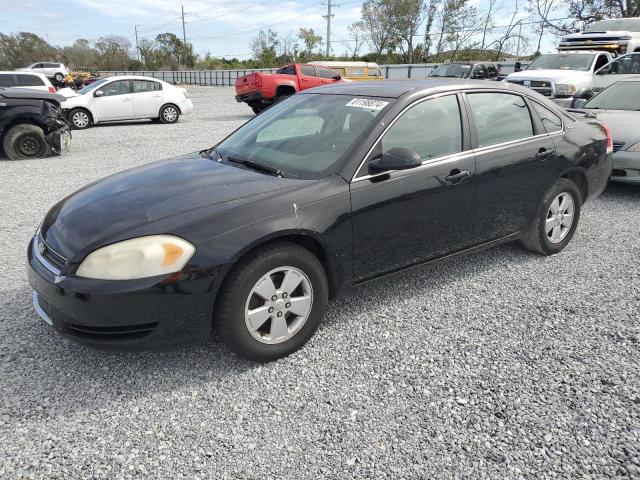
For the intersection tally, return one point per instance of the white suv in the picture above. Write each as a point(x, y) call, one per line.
point(56, 71)
point(31, 80)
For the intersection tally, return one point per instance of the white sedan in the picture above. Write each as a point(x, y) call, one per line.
point(126, 98)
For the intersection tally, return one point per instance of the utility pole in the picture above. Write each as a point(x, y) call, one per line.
point(137, 47)
point(184, 32)
point(329, 15)
point(519, 37)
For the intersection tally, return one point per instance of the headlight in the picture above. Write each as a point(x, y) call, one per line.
point(565, 89)
point(137, 258)
point(634, 148)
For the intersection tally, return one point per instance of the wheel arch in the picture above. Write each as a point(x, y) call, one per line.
point(307, 239)
point(92, 117)
point(286, 89)
point(578, 177)
point(166, 104)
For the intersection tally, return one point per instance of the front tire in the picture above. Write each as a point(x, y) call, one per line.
point(169, 114)
point(272, 302)
point(80, 118)
point(25, 141)
point(556, 220)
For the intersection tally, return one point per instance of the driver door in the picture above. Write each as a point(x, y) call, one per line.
point(116, 103)
point(405, 217)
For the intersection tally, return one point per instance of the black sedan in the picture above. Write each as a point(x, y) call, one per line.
point(334, 186)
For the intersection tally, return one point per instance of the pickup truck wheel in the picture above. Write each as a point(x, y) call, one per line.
point(281, 97)
point(256, 108)
point(80, 118)
point(25, 141)
point(556, 219)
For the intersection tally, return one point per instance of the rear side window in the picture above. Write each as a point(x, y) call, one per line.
point(290, 70)
point(356, 72)
point(374, 72)
point(308, 70)
point(431, 129)
point(500, 117)
point(550, 121)
point(29, 81)
point(142, 86)
point(7, 80)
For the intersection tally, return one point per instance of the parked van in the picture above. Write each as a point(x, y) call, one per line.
point(354, 70)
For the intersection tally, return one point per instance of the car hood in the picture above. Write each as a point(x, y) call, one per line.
point(622, 123)
point(31, 94)
point(172, 196)
point(558, 76)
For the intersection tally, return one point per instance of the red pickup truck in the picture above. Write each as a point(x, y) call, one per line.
point(259, 90)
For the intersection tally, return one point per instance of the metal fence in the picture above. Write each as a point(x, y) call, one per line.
point(228, 77)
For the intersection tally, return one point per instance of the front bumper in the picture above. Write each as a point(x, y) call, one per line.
point(59, 140)
point(626, 167)
point(133, 315)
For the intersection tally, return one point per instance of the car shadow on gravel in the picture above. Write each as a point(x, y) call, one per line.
point(621, 191)
point(63, 372)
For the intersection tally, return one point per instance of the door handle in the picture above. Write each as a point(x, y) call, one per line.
point(126, 99)
point(456, 176)
point(543, 153)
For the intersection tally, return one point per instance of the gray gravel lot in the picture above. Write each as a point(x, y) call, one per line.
point(502, 364)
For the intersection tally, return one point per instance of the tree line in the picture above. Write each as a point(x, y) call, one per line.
point(389, 31)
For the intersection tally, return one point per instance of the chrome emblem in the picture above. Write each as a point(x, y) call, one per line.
point(42, 248)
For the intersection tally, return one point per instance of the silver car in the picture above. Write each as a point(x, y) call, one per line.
point(618, 107)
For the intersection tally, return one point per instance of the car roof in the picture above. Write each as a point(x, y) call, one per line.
point(131, 77)
point(26, 93)
point(397, 88)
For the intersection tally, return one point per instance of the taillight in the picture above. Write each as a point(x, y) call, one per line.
point(609, 139)
point(52, 90)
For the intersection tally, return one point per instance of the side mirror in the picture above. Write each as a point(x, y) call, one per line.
point(99, 93)
point(337, 77)
point(397, 158)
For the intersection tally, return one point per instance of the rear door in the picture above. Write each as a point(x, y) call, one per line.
point(147, 98)
point(308, 77)
point(627, 66)
point(515, 162)
point(116, 103)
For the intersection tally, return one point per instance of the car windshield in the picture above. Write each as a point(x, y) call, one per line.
point(451, 70)
point(614, 24)
point(304, 136)
point(559, 61)
point(619, 96)
point(91, 86)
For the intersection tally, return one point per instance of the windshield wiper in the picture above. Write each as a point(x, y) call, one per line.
point(261, 167)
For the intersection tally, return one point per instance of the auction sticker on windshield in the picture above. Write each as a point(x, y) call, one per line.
point(367, 103)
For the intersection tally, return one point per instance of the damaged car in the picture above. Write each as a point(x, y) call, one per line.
point(32, 124)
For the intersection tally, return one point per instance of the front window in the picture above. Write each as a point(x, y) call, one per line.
point(619, 96)
point(560, 61)
point(626, 65)
point(288, 70)
point(452, 70)
point(305, 136)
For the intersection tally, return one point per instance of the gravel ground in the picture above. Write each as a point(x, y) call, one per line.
point(502, 364)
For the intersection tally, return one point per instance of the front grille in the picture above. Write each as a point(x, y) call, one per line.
point(617, 146)
point(50, 255)
point(114, 333)
point(543, 87)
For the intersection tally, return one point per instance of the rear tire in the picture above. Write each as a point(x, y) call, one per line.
point(169, 114)
point(25, 141)
point(556, 219)
point(256, 326)
point(257, 108)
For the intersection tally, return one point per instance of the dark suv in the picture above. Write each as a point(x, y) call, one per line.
point(32, 124)
point(479, 70)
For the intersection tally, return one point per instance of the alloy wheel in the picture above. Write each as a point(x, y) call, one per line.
point(560, 217)
point(278, 305)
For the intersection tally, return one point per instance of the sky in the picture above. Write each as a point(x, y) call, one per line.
point(220, 27)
